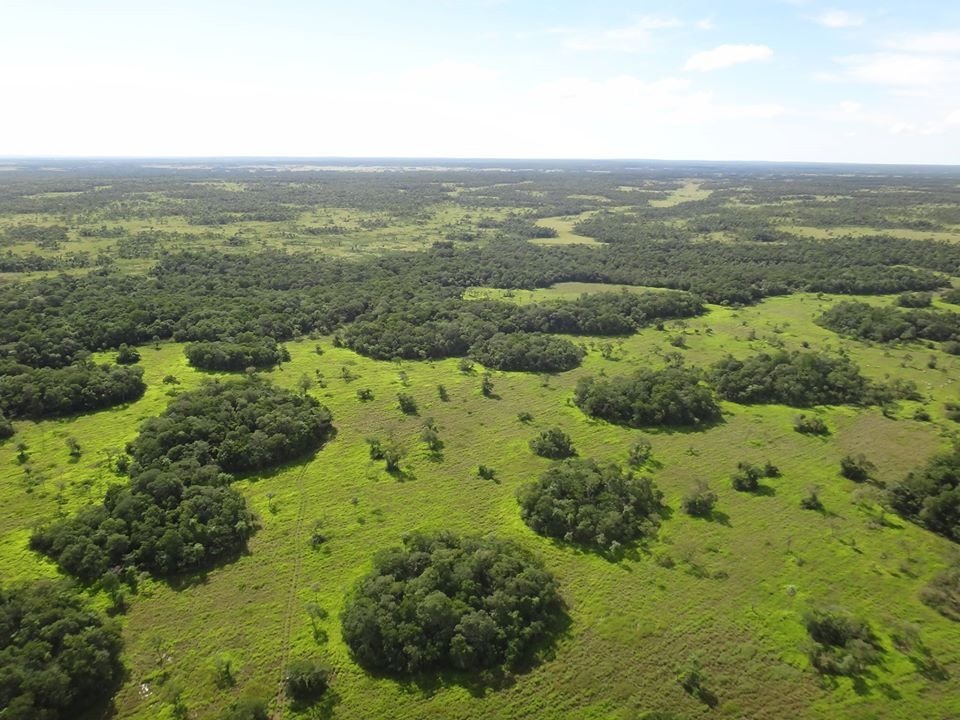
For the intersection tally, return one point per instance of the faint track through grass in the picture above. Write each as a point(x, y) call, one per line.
point(281, 699)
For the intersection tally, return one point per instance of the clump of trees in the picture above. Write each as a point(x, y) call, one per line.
point(245, 351)
point(857, 467)
point(887, 324)
point(584, 502)
point(672, 396)
point(747, 477)
point(127, 355)
point(447, 602)
point(178, 512)
point(931, 495)
point(810, 425)
point(50, 392)
point(553, 443)
point(699, 500)
point(841, 643)
point(306, 679)
point(533, 352)
point(58, 658)
point(800, 379)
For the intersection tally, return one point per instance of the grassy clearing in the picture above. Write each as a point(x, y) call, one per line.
point(731, 591)
point(688, 192)
point(950, 235)
point(565, 234)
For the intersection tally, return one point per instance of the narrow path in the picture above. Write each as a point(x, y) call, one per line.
point(281, 699)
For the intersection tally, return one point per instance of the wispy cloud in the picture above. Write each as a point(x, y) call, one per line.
point(725, 56)
point(638, 36)
point(898, 69)
point(944, 42)
point(837, 19)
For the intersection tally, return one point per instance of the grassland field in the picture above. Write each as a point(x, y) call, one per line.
point(731, 592)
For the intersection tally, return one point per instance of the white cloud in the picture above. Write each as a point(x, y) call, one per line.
point(839, 19)
point(638, 36)
point(725, 56)
point(900, 69)
point(942, 42)
point(705, 24)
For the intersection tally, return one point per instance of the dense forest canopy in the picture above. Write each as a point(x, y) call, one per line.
point(58, 657)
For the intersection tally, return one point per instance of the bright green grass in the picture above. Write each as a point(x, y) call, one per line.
point(565, 234)
point(688, 192)
point(634, 623)
point(949, 235)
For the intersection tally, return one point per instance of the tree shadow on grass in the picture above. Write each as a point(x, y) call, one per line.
point(200, 576)
point(764, 491)
point(322, 708)
point(480, 683)
point(402, 474)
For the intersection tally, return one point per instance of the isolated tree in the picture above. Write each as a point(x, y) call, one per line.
point(553, 443)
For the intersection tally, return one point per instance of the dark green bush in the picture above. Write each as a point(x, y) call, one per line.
point(448, 602)
point(553, 443)
point(57, 657)
point(581, 501)
point(842, 644)
point(673, 396)
point(699, 500)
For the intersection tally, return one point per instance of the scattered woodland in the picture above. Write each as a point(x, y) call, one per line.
point(514, 439)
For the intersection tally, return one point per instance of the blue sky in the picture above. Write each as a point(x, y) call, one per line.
point(739, 80)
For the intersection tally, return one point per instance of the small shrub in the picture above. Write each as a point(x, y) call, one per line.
point(858, 468)
point(842, 644)
point(952, 411)
point(810, 425)
point(812, 500)
point(747, 477)
point(921, 415)
point(407, 403)
point(127, 355)
point(442, 393)
point(639, 453)
point(525, 417)
point(770, 470)
point(486, 385)
point(942, 593)
point(699, 500)
point(486, 473)
point(306, 679)
point(364, 394)
point(554, 444)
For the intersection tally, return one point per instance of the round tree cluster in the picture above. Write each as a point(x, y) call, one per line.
point(447, 602)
